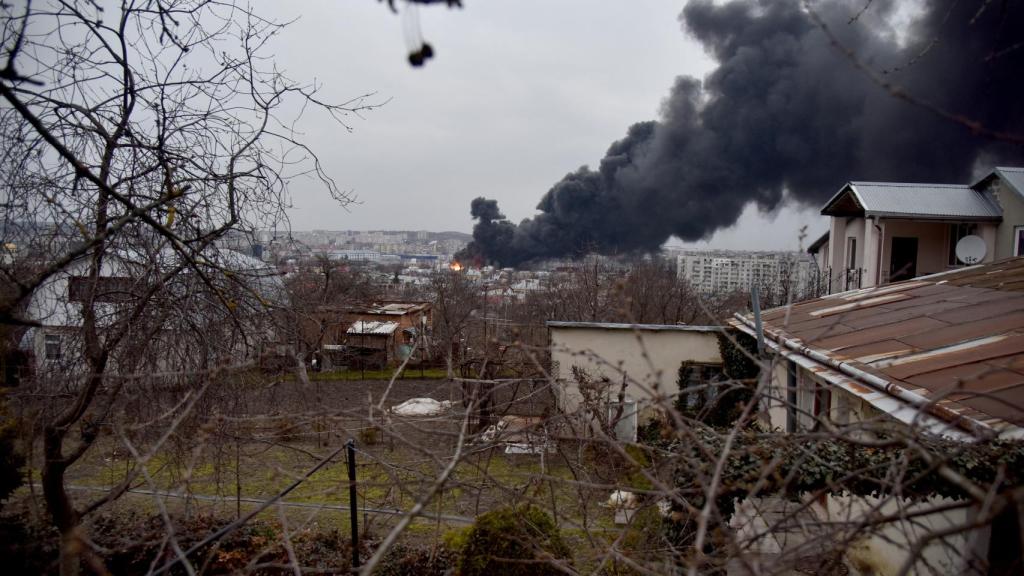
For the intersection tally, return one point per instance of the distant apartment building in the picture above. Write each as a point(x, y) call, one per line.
point(883, 232)
point(722, 272)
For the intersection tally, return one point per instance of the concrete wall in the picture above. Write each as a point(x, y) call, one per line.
point(771, 526)
point(933, 243)
point(932, 247)
point(648, 358)
point(1013, 216)
point(766, 527)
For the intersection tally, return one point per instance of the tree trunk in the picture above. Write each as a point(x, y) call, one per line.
point(62, 511)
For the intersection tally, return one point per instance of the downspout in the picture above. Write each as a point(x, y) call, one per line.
point(979, 429)
point(881, 243)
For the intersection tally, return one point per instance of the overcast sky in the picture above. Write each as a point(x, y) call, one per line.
point(520, 93)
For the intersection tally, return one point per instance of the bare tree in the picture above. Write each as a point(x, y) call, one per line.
point(135, 136)
point(455, 298)
point(322, 292)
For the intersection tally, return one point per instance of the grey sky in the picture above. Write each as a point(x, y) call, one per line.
point(520, 93)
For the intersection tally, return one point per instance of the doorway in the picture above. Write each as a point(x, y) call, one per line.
point(903, 259)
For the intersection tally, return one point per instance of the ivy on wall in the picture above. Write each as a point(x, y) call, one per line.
point(716, 396)
point(794, 464)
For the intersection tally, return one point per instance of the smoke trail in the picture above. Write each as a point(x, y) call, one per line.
point(786, 111)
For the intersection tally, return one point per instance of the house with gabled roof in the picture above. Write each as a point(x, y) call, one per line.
point(939, 355)
point(883, 232)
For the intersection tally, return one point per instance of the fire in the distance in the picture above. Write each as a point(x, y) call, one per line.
point(455, 266)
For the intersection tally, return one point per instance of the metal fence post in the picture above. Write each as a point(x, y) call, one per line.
point(353, 509)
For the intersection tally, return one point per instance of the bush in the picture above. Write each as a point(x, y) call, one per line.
point(401, 560)
point(370, 435)
point(513, 541)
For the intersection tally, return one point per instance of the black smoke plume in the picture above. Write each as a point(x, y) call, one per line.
point(789, 110)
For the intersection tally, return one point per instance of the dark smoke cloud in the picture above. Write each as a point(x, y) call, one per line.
point(785, 111)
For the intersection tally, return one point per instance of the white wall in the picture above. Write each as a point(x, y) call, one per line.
point(649, 359)
point(1013, 216)
point(884, 550)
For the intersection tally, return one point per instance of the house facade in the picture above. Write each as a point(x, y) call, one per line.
point(184, 323)
point(881, 232)
point(639, 361)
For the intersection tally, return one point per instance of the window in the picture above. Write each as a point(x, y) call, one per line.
point(697, 384)
point(1018, 240)
point(51, 346)
point(956, 233)
point(851, 253)
point(808, 401)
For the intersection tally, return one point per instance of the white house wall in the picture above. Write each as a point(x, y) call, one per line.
point(648, 359)
point(1013, 215)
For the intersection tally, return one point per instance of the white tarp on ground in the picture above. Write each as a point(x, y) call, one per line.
point(422, 407)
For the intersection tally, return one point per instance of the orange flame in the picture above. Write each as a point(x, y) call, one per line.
point(455, 266)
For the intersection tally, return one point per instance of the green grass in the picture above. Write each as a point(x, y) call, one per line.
point(351, 375)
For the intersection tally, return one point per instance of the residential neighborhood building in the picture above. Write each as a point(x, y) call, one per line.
point(640, 360)
point(378, 334)
point(229, 295)
point(884, 232)
point(942, 355)
point(724, 272)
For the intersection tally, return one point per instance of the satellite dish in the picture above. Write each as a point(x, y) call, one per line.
point(970, 249)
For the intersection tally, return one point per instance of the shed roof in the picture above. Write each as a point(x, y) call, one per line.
point(396, 308)
point(955, 339)
point(641, 327)
point(918, 201)
point(372, 328)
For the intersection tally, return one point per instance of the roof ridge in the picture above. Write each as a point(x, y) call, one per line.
point(907, 184)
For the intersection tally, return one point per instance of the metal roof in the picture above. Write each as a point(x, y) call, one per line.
point(641, 327)
point(1012, 176)
point(372, 327)
point(397, 308)
point(955, 339)
point(918, 201)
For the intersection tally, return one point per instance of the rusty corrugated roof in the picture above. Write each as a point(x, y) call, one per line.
point(956, 338)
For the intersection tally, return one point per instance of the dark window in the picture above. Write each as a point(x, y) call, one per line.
point(698, 383)
point(902, 258)
point(51, 346)
point(956, 233)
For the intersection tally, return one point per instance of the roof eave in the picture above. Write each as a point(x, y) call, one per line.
point(954, 424)
point(931, 217)
point(826, 211)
